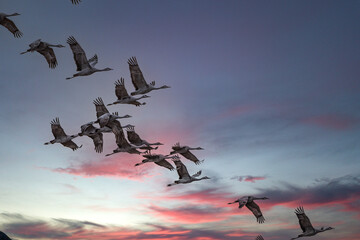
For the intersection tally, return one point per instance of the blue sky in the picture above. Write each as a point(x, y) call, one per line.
point(270, 90)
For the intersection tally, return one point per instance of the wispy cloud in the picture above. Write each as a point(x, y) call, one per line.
point(191, 214)
point(248, 178)
point(28, 228)
point(120, 166)
point(211, 196)
point(342, 191)
point(335, 122)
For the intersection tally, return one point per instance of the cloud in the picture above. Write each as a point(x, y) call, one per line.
point(248, 178)
point(343, 191)
point(23, 227)
point(215, 197)
point(335, 122)
point(118, 166)
point(237, 111)
point(28, 228)
point(191, 214)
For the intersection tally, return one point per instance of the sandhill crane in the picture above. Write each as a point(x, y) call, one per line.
point(104, 118)
point(185, 152)
point(84, 66)
point(60, 136)
point(138, 80)
point(95, 134)
point(123, 96)
point(10, 25)
point(183, 173)
point(3, 236)
point(248, 201)
point(44, 49)
point(122, 143)
point(135, 139)
point(158, 159)
point(306, 226)
point(75, 1)
point(259, 238)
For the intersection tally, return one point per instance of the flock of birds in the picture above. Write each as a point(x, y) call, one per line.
point(133, 144)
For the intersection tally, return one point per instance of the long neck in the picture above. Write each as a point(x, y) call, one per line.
point(197, 148)
point(73, 136)
point(53, 45)
point(101, 70)
point(263, 198)
point(322, 230)
point(10, 15)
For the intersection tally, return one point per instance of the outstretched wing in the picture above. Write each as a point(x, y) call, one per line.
point(197, 174)
point(259, 238)
point(93, 61)
point(165, 164)
point(75, 1)
point(191, 157)
point(304, 221)
point(255, 209)
point(79, 54)
point(87, 128)
point(10, 25)
point(56, 129)
point(49, 55)
point(100, 107)
point(133, 137)
point(98, 141)
point(71, 144)
point(176, 147)
point(181, 170)
point(119, 134)
point(120, 90)
point(137, 77)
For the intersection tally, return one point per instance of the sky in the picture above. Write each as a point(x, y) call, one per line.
point(269, 89)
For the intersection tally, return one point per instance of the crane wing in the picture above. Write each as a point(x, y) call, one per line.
point(304, 221)
point(100, 107)
point(71, 144)
point(196, 174)
point(176, 148)
point(165, 164)
point(259, 238)
point(189, 155)
point(151, 156)
point(120, 90)
point(181, 170)
point(49, 55)
point(134, 138)
point(75, 1)
point(98, 141)
point(255, 209)
point(10, 25)
point(93, 61)
point(86, 128)
point(79, 54)
point(137, 77)
point(56, 129)
point(119, 134)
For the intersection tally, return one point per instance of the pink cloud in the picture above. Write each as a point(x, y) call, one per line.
point(249, 178)
point(120, 165)
point(336, 122)
point(23, 228)
point(210, 196)
point(191, 214)
point(238, 111)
